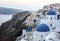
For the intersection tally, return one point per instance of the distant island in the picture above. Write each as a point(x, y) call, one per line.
point(4, 10)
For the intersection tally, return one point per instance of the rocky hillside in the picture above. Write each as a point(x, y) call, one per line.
point(11, 29)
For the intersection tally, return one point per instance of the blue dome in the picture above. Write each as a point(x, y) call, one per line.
point(50, 12)
point(28, 29)
point(42, 28)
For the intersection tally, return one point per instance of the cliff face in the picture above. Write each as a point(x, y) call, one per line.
point(11, 29)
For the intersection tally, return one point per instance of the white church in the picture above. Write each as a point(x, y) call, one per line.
point(48, 28)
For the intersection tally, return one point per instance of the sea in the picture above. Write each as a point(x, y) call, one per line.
point(4, 18)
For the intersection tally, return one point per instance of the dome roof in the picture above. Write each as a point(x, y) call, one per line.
point(50, 12)
point(28, 29)
point(42, 28)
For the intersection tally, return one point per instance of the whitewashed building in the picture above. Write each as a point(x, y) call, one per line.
point(48, 24)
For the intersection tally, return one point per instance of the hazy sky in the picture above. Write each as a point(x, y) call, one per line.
point(26, 4)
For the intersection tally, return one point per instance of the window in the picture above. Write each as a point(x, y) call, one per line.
point(51, 25)
point(51, 18)
point(58, 16)
point(54, 28)
point(59, 32)
point(41, 36)
point(47, 17)
point(50, 39)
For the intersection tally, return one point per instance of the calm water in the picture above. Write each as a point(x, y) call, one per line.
point(4, 18)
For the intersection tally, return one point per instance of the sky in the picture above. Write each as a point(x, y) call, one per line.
point(26, 4)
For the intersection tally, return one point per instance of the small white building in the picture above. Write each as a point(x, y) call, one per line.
point(54, 36)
